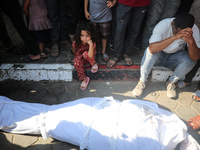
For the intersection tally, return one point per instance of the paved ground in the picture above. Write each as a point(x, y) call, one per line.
point(65, 56)
point(55, 93)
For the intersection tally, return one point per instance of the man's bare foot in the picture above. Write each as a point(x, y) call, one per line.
point(33, 57)
point(182, 84)
point(30, 58)
point(196, 96)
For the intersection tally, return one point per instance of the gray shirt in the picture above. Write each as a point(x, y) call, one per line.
point(99, 12)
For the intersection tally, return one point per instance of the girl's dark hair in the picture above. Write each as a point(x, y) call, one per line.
point(86, 26)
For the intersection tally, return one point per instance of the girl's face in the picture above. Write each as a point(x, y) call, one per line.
point(85, 36)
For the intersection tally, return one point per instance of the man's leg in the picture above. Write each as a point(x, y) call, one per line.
point(196, 95)
point(63, 20)
point(147, 63)
point(189, 76)
point(53, 10)
point(123, 14)
point(3, 33)
point(52, 7)
point(153, 17)
point(113, 26)
point(182, 64)
point(105, 30)
point(171, 7)
point(14, 13)
point(136, 18)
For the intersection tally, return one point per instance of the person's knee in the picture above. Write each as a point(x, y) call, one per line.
point(188, 63)
point(187, 60)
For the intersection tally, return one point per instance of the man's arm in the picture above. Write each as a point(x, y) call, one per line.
point(159, 46)
point(193, 50)
point(111, 3)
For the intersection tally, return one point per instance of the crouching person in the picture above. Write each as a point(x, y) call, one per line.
point(168, 48)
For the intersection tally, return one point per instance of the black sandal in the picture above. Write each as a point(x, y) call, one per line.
point(112, 62)
point(128, 60)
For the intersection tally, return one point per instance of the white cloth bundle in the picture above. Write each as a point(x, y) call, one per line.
point(99, 123)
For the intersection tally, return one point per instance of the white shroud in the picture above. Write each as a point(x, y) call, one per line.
point(99, 123)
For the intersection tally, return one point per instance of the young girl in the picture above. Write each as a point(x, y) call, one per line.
point(39, 23)
point(84, 50)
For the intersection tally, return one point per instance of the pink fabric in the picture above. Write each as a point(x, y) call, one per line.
point(38, 16)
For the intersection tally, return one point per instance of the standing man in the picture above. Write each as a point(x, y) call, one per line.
point(57, 17)
point(129, 16)
point(167, 48)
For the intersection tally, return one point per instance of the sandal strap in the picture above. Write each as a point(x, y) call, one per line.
point(112, 62)
point(83, 84)
point(197, 93)
point(95, 66)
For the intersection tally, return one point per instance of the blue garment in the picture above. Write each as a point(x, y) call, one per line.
point(99, 11)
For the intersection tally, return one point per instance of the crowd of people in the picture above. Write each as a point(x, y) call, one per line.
point(170, 34)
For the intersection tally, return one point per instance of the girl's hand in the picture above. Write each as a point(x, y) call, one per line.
point(89, 42)
point(91, 48)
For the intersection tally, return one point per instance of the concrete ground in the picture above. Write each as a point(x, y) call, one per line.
point(55, 93)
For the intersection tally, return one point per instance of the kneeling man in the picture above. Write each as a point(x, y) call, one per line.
point(167, 48)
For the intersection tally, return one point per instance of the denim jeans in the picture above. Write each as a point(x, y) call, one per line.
point(57, 17)
point(128, 22)
point(180, 62)
point(189, 76)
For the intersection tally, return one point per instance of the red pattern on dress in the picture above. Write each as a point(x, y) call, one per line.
point(82, 58)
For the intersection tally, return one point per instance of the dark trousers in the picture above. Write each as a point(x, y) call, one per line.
point(57, 17)
point(3, 33)
point(128, 22)
point(192, 73)
point(12, 9)
point(113, 25)
point(158, 10)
